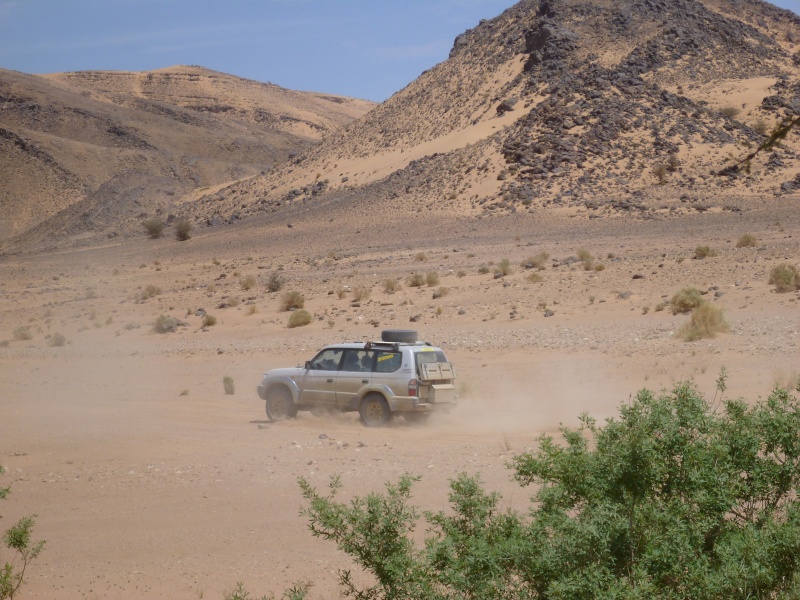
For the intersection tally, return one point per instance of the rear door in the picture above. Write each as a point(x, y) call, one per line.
point(318, 384)
point(436, 377)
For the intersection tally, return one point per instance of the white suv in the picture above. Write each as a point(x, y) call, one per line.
point(397, 375)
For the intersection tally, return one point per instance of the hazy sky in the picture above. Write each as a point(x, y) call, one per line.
point(362, 48)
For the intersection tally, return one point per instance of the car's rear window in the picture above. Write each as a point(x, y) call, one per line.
point(429, 355)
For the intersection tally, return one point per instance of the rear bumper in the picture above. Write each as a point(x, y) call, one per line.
point(401, 404)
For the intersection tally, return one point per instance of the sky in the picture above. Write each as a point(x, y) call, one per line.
point(361, 48)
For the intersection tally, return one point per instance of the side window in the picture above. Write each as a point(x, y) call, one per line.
point(359, 361)
point(387, 362)
point(327, 360)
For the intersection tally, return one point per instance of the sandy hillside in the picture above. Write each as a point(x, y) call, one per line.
point(150, 482)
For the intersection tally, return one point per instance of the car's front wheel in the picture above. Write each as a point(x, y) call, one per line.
point(280, 405)
point(374, 411)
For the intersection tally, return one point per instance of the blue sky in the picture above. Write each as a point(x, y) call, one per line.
point(362, 48)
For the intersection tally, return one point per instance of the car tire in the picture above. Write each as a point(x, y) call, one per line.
point(374, 411)
point(280, 405)
point(403, 336)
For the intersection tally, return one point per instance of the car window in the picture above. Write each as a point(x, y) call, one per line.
point(387, 362)
point(327, 360)
point(359, 361)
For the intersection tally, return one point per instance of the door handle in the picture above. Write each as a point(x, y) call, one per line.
point(330, 380)
point(365, 381)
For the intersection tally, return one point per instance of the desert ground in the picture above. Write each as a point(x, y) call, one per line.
point(150, 482)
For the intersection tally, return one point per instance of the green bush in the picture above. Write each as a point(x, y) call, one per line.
point(183, 230)
point(686, 300)
point(154, 227)
point(674, 498)
point(17, 539)
point(299, 318)
point(784, 277)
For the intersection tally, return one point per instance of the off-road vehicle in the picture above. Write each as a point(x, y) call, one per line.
point(397, 375)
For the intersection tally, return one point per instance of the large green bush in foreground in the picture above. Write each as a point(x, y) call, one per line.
point(674, 498)
point(17, 539)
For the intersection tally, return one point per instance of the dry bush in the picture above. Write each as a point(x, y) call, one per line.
point(360, 293)
point(421, 257)
point(299, 318)
point(275, 282)
point(785, 278)
point(747, 241)
point(416, 280)
point(292, 300)
point(209, 321)
point(660, 173)
point(686, 300)
point(150, 291)
point(535, 278)
point(483, 269)
point(228, 386)
point(251, 310)
point(440, 293)
point(22, 333)
point(248, 282)
point(704, 252)
point(729, 111)
point(390, 286)
point(761, 127)
point(58, 340)
point(503, 268)
point(706, 321)
point(340, 293)
point(432, 278)
point(537, 261)
point(673, 163)
point(586, 258)
point(183, 230)
point(154, 227)
point(165, 324)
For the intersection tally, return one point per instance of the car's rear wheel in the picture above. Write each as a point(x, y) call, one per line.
point(280, 405)
point(374, 411)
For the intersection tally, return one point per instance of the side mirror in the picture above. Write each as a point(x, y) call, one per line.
point(308, 365)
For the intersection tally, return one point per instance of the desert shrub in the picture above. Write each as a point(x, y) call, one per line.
point(676, 497)
point(586, 258)
point(761, 127)
point(535, 278)
point(673, 163)
point(421, 257)
point(183, 230)
point(299, 318)
point(154, 227)
point(149, 291)
point(292, 300)
point(704, 252)
point(5, 343)
point(361, 293)
point(685, 300)
point(706, 321)
point(660, 173)
point(440, 293)
point(390, 286)
point(461, 273)
point(730, 112)
point(275, 282)
point(432, 278)
point(538, 261)
point(483, 269)
point(248, 282)
point(341, 293)
point(58, 340)
point(22, 333)
point(416, 280)
point(784, 277)
point(17, 539)
point(209, 321)
point(503, 268)
point(228, 386)
point(251, 310)
point(747, 241)
point(165, 324)
point(660, 306)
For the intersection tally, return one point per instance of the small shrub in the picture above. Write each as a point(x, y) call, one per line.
point(503, 267)
point(248, 282)
point(461, 273)
point(784, 277)
point(390, 286)
point(299, 318)
point(483, 269)
point(432, 278)
point(275, 282)
point(747, 241)
point(535, 278)
point(672, 163)
point(704, 252)
point(686, 300)
point(340, 293)
point(537, 261)
point(165, 324)
point(421, 257)
point(416, 280)
point(660, 173)
point(251, 310)
point(761, 127)
point(227, 384)
point(660, 306)
point(4, 343)
point(22, 333)
point(183, 230)
point(150, 291)
point(154, 227)
point(292, 300)
point(360, 293)
point(730, 112)
point(706, 321)
point(58, 340)
point(209, 321)
point(586, 258)
point(440, 293)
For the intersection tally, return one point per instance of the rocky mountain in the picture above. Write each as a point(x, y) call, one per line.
point(601, 107)
point(91, 152)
